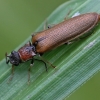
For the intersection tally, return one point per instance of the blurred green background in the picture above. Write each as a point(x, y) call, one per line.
point(19, 18)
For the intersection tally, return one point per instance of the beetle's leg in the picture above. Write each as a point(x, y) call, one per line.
point(29, 70)
point(41, 54)
point(12, 74)
point(7, 61)
point(44, 63)
point(66, 18)
point(70, 42)
point(87, 35)
point(77, 39)
point(47, 26)
point(50, 25)
point(48, 62)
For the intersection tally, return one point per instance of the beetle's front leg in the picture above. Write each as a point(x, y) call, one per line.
point(29, 70)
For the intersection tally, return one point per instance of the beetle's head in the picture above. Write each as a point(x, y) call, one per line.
point(14, 58)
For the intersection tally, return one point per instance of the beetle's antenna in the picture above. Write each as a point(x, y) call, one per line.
point(6, 55)
point(47, 62)
point(7, 61)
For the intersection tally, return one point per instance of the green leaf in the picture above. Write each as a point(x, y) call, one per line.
point(75, 63)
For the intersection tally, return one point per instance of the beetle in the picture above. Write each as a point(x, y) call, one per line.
point(53, 37)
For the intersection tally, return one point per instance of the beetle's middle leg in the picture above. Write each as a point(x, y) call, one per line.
point(47, 26)
point(47, 62)
point(43, 62)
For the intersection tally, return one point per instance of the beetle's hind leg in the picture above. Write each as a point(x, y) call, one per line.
point(66, 17)
point(77, 39)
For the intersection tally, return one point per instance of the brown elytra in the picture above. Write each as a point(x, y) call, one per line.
point(64, 32)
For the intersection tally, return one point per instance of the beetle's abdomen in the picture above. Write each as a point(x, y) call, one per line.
point(65, 31)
